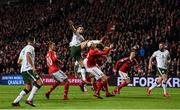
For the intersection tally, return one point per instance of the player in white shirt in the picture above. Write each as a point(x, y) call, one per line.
point(28, 71)
point(77, 44)
point(163, 60)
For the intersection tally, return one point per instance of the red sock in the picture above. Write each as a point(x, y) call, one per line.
point(53, 87)
point(66, 88)
point(105, 85)
point(82, 83)
point(94, 86)
point(123, 84)
point(99, 85)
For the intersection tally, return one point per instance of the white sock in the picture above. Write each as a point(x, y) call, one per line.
point(76, 63)
point(83, 73)
point(96, 41)
point(93, 42)
point(164, 87)
point(153, 86)
point(20, 96)
point(85, 89)
point(33, 92)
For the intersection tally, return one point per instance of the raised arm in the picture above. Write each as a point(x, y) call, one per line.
point(104, 52)
point(72, 26)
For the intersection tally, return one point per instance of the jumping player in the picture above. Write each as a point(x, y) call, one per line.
point(54, 70)
point(77, 44)
point(163, 60)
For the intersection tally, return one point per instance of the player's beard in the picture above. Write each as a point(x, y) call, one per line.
point(161, 50)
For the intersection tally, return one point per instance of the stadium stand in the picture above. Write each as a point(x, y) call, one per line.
point(124, 22)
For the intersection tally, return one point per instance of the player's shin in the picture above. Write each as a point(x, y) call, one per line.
point(123, 84)
point(21, 95)
point(53, 87)
point(164, 87)
point(153, 85)
point(66, 89)
point(94, 86)
point(35, 88)
point(105, 85)
point(99, 85)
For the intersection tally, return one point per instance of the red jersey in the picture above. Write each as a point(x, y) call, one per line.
point(101, 60)
point(125, 65)
point(52, 60)
point(93, 55)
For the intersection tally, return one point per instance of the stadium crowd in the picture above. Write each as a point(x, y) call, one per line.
point(124, 22)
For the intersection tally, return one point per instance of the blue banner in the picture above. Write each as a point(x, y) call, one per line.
point(135, 81)
point(11, 80)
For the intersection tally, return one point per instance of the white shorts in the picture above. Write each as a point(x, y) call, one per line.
point(123, 75)
point(59, 76)
point(95, 71)
point(85, 63)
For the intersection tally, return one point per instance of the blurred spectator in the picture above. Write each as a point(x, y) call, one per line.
point(125, 23)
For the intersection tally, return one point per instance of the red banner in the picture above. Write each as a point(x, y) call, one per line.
point(48, 80)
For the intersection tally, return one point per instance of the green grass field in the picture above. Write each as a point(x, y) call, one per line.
point(130, 98)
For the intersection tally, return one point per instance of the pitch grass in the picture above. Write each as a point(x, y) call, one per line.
point(130, 98)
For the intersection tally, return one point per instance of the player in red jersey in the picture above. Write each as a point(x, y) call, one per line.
point(55, 72)
point(91, 63)
point(123, 66)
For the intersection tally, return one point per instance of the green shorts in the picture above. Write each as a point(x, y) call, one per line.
point(76, 52)
point(29, 76)
point(161, 71)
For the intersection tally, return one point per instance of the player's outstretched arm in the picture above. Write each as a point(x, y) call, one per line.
point(72, 26)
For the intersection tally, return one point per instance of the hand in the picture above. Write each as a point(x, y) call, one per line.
point(114, 70)
point(111, 46)
point(102, 39)
point(168, 63)
point(70, 22)
point(140, 71)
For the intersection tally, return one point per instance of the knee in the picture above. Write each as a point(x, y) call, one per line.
point(165, 80)
point(27, 90)
point(127, 81)
point(66, 81)
point(38, 84)
point(104, 79)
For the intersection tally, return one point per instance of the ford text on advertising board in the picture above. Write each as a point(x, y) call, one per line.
point(148, 81)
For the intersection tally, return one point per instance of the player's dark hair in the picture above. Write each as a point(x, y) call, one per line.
point(161, 43)
point(100, 46)
point(79, 26)
point(30, 39)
